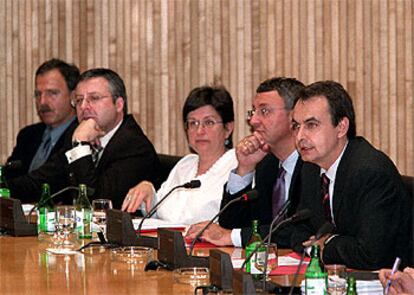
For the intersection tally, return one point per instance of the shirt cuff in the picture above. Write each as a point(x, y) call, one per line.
point(78, 152)
point(236, 237)
point(236, 182)
point(329, 239)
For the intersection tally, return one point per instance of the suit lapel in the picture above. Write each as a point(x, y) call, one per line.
point(341, 179)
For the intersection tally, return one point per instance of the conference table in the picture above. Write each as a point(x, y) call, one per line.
point(27, 268)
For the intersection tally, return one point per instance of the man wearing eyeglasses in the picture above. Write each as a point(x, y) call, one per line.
point(54, 82)
point(107, 151)
point(268, 162)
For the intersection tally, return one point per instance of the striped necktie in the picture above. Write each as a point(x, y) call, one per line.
point(325, 197)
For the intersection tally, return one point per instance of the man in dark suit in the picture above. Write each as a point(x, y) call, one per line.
point(262, 156)
point(107, 150)
point(350, 184)
point(54, 82)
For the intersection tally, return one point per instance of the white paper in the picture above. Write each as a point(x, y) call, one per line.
point(154, 223)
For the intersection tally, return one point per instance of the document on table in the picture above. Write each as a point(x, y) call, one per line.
point(151, 224)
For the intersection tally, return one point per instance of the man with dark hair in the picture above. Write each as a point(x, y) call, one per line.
point(268, 162)
point(54, 82)
point(350, 184)
point(107, 151)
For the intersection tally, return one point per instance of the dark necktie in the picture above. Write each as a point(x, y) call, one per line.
point(43, 151)
point(278, 196)
point(96, 149)
point(325, 197)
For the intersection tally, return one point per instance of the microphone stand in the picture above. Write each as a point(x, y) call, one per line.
point(192, 184)
point(246, 197)
point(277, 219)
point(52, 197)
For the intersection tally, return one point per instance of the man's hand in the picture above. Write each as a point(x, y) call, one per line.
point(214, 234)
point(88, 130)
point(250, 151)
point(401, 282)
point(321, 242)
point(142, 192)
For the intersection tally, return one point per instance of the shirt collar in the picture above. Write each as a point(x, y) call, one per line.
point(56, 132)
point(107, 137)
point(331, 172)
point(290, 163)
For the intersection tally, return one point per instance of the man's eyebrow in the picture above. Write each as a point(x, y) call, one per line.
point(311, 119)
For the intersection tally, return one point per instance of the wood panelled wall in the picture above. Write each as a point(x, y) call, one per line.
point(164, 48)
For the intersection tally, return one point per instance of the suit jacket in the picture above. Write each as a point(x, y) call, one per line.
point(370, 207)
point(28, 141)
point(241, 214)
point(128, 159)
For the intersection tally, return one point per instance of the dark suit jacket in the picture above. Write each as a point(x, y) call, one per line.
point(370, 206)
point(128, 159)
point(28, 141)
point(241, 214)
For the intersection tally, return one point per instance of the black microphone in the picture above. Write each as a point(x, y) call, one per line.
point(326, 228)
point(298, 216)
point(190, 185)
point(249, 196)
point(39, 204)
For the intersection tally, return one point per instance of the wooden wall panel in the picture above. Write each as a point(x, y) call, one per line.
point(164, 48)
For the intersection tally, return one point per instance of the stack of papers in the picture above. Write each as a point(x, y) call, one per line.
point(363, 287)
point(152, 224)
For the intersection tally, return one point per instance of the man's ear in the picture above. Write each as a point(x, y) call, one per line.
point(119, 104)
point(343, 127)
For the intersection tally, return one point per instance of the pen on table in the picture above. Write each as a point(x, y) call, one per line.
point(393, 270)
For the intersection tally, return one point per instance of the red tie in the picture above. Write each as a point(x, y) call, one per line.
point(325, 197)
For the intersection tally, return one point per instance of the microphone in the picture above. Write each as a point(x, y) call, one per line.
point(39, 204)
point(298, 216)
point(190, 185)
point(249, 196)
point(326, 228)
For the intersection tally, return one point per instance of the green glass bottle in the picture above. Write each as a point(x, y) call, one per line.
point(315, 277)
point(250, 247)
point(46, 212)
point(4, 190)
point(83, 213)
point(351, 289)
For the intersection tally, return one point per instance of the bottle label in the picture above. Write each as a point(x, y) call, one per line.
point(4, 193)
point(83, 223)
point(315, 286)
point(46, 220)
point(251, 265)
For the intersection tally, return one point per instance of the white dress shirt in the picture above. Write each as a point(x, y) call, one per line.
point(188, 206)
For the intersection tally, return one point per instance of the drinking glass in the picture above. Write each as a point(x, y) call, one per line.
point(260, 259)
point(100, 207)
point(65, 224)
point(336, 279)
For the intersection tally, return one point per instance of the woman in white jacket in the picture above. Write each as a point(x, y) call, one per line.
point(208, 117)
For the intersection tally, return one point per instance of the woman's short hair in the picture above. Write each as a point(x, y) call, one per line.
point(216, 96)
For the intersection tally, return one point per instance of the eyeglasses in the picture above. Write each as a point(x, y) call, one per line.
point(50, 93)
point(193, 125)
point(91, 99)
point(261, 112)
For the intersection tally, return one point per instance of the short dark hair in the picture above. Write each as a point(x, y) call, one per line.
point(216, 96)
point(339, 101)
point(115, 83)
point(70, 72)
point(288, 89)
